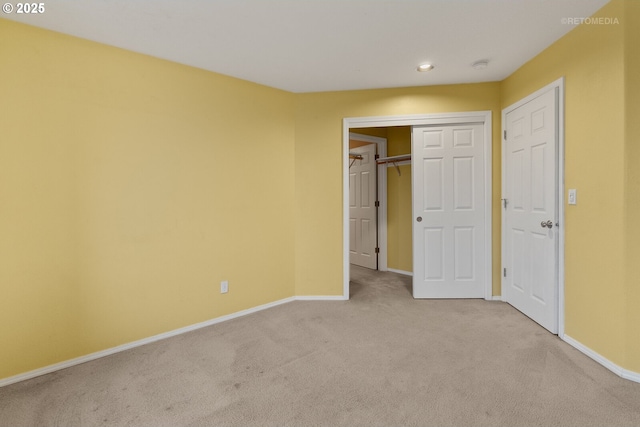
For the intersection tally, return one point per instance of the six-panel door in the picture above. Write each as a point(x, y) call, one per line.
point(531, 246)
point(448, 211)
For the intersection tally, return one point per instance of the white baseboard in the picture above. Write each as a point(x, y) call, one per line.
point(320, 298)
point(618, 370)
point(496, 298)
point(120, 348)
point(406, 273)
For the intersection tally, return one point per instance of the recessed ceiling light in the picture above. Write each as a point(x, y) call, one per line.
point(480, 65)
point(425, 67)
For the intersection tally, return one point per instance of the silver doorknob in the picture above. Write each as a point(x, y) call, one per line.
point(547, 224)
point(419, 219)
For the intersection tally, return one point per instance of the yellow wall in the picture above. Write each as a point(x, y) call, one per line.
point(399, 140)
point(399, 216)
point(130, 188)
point(591, 59)
point(319, 119)
point(632, 179)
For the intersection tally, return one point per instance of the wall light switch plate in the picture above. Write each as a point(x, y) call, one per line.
point(224, 286)
point(573, 197)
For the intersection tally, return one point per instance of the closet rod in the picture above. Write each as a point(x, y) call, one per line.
point(354, 157)
point(393, 159)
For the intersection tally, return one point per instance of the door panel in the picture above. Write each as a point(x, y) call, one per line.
point(434, 246)
point(463, 183)
point(449, 211)
point(434, 190)
point(362, 210)
point(463, 258)
point(531, 247)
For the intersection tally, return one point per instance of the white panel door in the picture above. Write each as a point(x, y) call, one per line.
point(448, 211)
point(362, 210)
point(531, 238)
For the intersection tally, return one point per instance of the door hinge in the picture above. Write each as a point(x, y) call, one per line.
point(504, 272)
point(377, 250)
point(377, 203)
point(505, 202)
point(377, 156)
point(505, 134)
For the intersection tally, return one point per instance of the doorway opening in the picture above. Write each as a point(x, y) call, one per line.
point(393, 201)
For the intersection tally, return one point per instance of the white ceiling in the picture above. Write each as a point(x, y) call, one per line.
point(322, 45)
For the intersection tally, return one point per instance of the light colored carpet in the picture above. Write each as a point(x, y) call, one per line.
point(380, 359)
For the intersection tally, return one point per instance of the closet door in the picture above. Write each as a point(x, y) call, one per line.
point(449, 211)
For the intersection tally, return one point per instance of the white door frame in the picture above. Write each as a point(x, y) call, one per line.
point(559, 85)
point(483, 117)
point(381, 176)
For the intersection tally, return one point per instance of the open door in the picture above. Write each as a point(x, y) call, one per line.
point(362, 207)
point(530, 203)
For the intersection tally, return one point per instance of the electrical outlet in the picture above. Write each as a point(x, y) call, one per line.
point(573, 196)
point(224, 286)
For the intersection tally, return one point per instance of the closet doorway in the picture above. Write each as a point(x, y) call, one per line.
point(386, 165)
point(391, 206)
